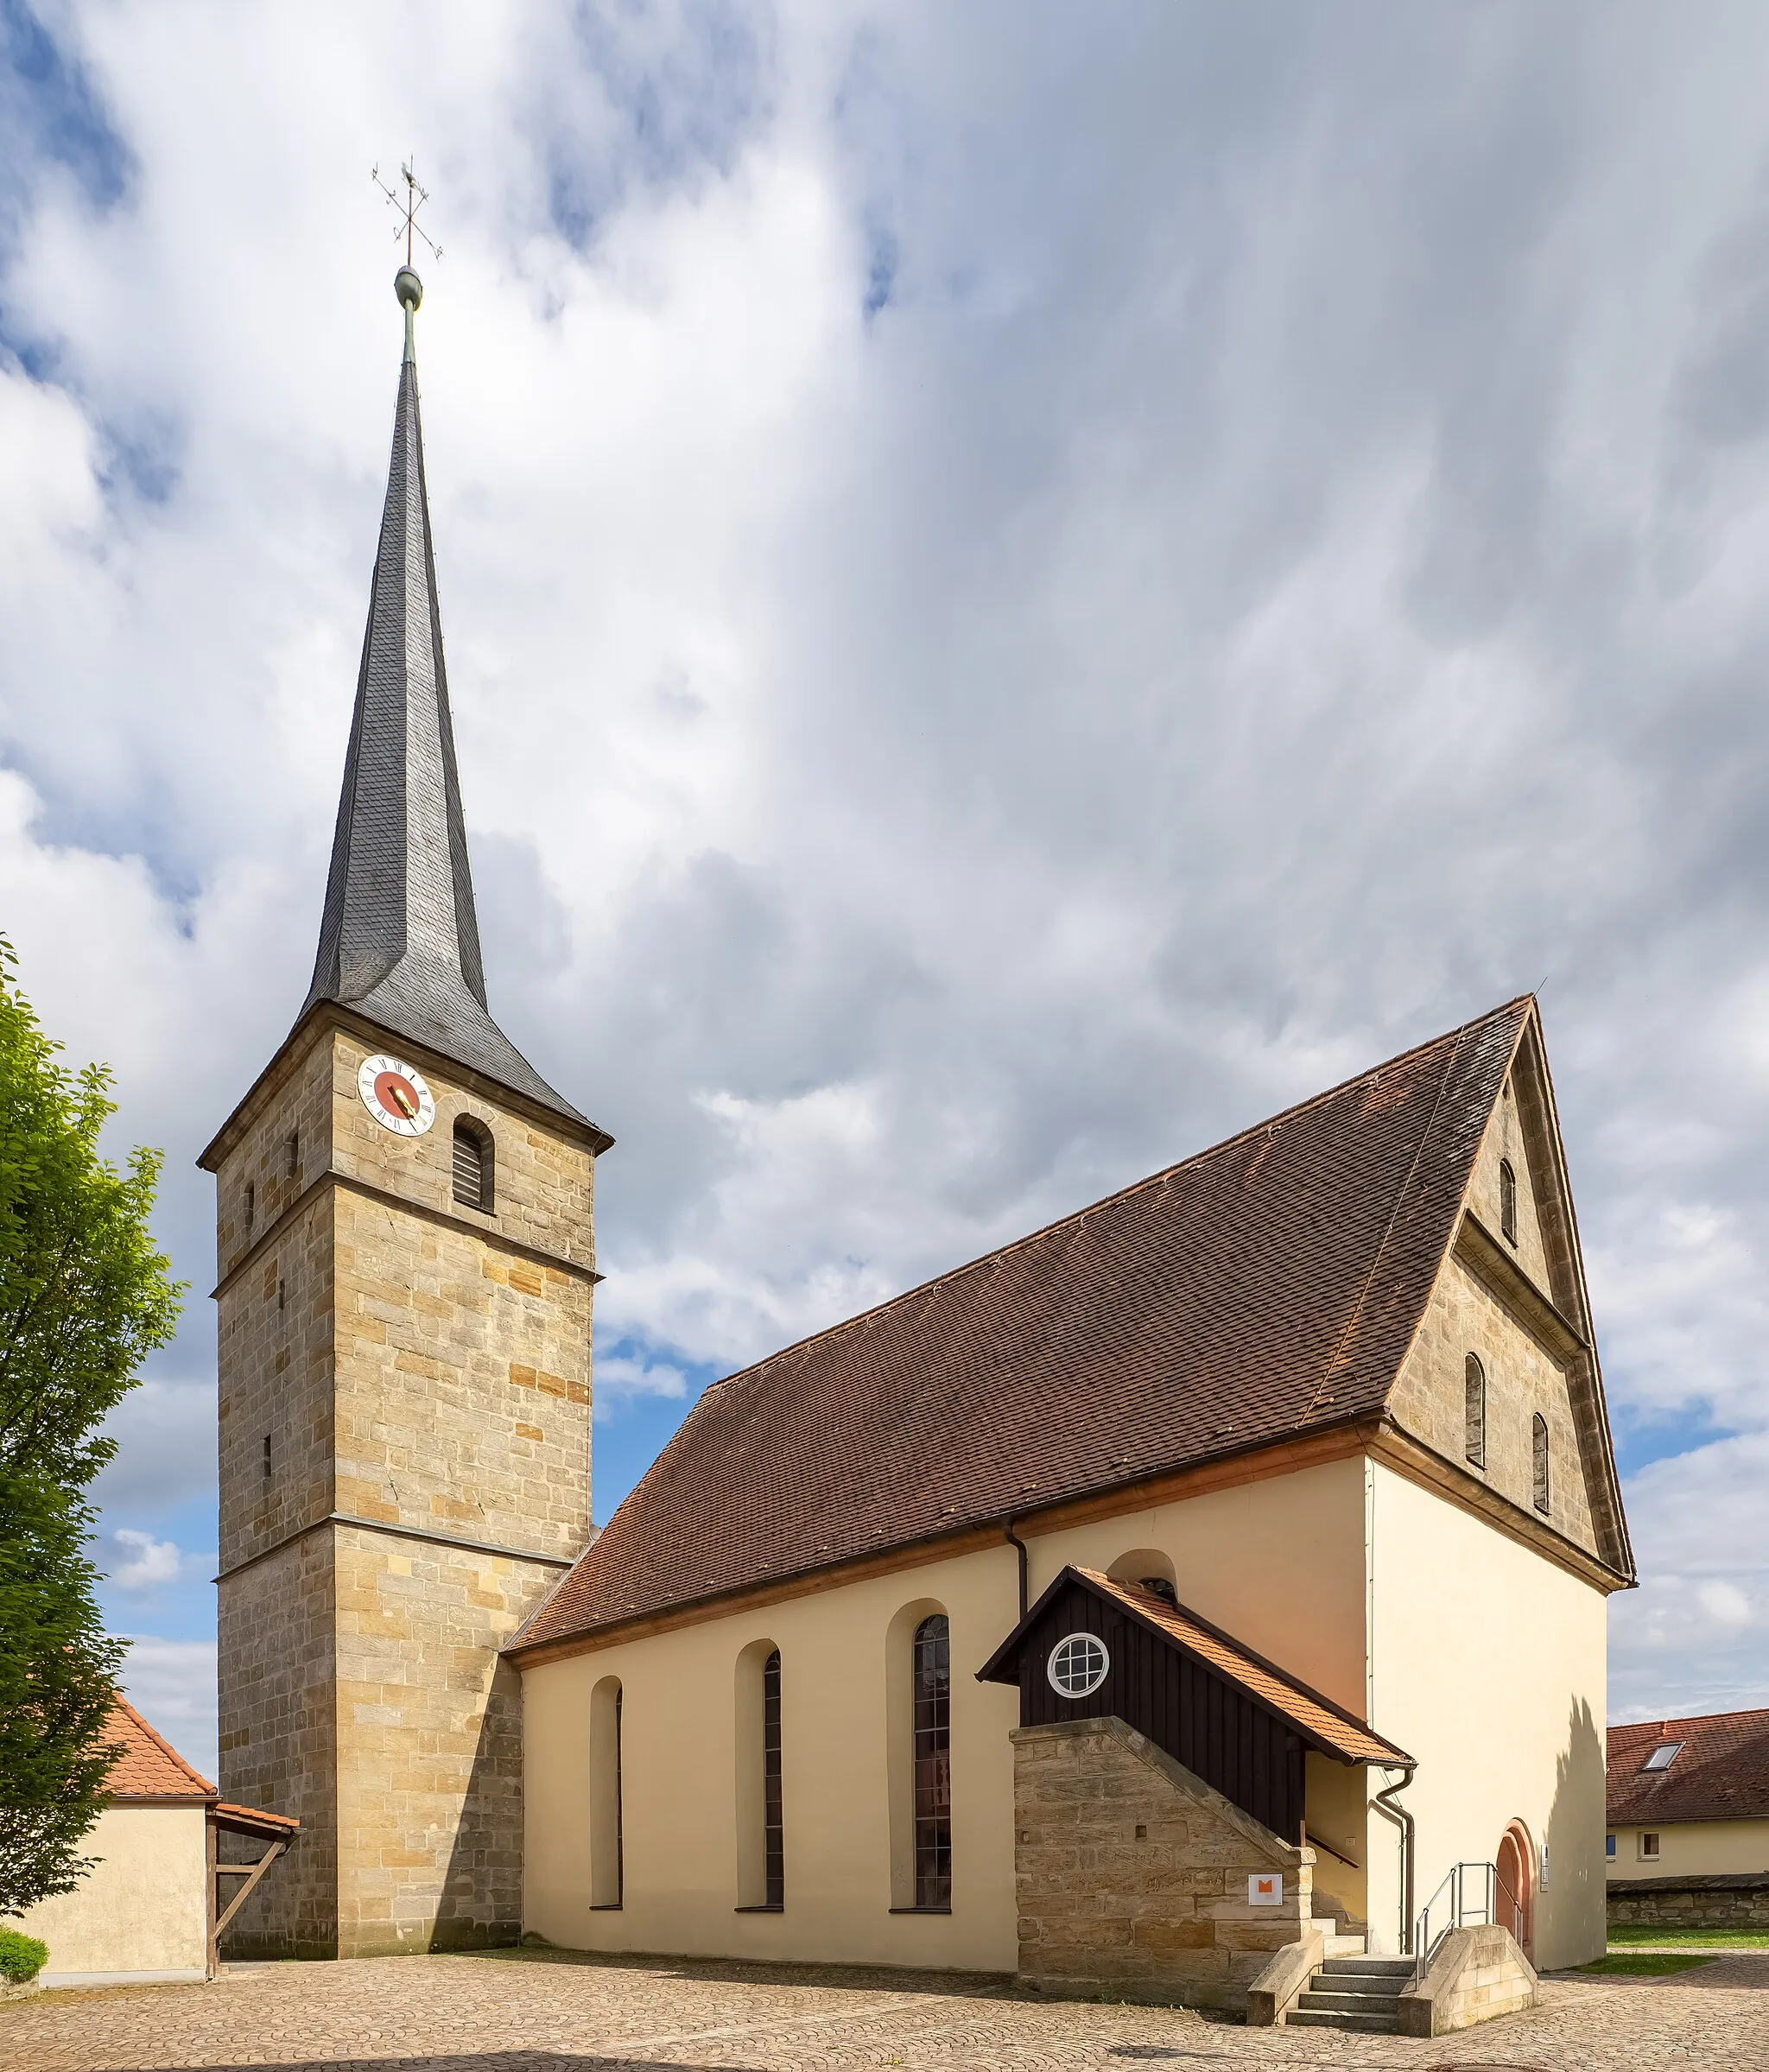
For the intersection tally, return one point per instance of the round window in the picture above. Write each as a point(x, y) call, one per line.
point(1077, 1666)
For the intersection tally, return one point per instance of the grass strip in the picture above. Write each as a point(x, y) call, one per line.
point(1688, 1938)
point(1641, 1964)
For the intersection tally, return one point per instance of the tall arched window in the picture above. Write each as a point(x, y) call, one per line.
point(773, 1824)
point(1473, 1412)
point(1507, 1202)
point(1539, 1454)
point(473, 1173)
point(607, 1826)
point(932, 1684)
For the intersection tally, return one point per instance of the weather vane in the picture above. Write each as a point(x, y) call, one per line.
point(407, 204)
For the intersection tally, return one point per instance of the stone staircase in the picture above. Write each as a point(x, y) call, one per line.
point(1353, 1993)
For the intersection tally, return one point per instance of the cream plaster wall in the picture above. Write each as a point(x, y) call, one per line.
point(143, 1908)
point(1694, 1848)
point(1488, 1665)
point(1278, 1563)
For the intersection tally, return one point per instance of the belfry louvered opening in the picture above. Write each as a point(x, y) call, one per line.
point(473, 1166)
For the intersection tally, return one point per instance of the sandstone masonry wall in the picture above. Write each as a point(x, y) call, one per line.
point(1521, 1378)
point(424, 1367)
point(279, 1743)
point(1131, 1874)
point(1736, 1900)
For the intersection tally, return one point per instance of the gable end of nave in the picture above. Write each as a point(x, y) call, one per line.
point(1514, 1299)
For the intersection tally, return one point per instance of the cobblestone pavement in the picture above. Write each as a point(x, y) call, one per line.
point(511, 2012)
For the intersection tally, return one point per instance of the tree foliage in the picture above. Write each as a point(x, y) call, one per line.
point(84, 1294)
point(57, 1677)
point(84, 1297)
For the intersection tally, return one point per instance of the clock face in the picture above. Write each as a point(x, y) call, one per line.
point(395, 1095)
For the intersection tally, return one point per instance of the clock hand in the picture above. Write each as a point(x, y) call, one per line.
point(406, 1103)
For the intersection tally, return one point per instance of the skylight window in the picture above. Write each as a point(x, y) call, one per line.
point(1663, 1755)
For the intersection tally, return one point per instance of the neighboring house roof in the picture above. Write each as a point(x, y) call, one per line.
point(1319, 1720)
point(1720, 1771)
point(148, 1765)
point(1266, 1288)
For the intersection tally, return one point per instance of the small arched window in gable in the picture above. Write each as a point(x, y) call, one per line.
point(1473, 1412)
point(1507, 1202)
point(1539, 1454)
point(473, 1173)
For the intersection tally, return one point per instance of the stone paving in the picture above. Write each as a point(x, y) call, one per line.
point(542, 2012)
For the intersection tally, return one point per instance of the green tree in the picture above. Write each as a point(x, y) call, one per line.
point(84, 1297)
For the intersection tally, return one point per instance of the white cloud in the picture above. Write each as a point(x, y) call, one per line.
point(619, 1377)
point(1695, 1636)
point(1016, 596)
point(149, 1562)
point(172, 1684)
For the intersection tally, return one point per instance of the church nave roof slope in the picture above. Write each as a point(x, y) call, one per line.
point(1265, 1289)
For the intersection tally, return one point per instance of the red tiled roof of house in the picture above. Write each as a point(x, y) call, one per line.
point(1720, 1772)
point(149, 1766)
point(1315, 1714)
point(1266, 1289)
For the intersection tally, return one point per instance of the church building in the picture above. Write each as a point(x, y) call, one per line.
point(1203, 1577)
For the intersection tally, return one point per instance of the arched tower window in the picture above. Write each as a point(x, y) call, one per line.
point(1538, 1455)
point(1473, 1412)
point(1507, 1202)
point(932, 1684)
point(773, 1822)
point(473, 1168)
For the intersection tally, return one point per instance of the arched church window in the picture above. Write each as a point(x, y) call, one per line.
point(931, 1682)
point(1473, 1412)
point(473, 1174)
point(607, 1836)
point(773, 1820)
point(1508, 1201)
point(1538, 1451)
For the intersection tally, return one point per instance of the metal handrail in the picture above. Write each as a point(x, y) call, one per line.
point(1472, 1895)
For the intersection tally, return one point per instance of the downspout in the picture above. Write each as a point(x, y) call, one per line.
point(1387, 1800)
point(1016, 1541)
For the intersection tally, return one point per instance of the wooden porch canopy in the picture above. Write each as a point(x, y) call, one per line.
point(1231, 1718)
point(276, 1830)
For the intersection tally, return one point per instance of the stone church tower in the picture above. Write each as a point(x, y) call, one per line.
point(405, 1269)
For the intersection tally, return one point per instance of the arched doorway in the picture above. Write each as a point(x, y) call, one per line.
point(1517, 1885)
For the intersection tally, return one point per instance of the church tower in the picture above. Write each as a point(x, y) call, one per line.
point(405, 1263)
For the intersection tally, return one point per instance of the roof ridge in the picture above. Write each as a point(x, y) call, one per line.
point(1749, 1712)
point(1124, 1194)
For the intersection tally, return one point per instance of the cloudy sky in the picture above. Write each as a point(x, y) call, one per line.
point(1024, 585)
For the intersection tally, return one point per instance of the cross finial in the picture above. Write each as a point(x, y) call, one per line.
point(407, 204)
point(406, 284)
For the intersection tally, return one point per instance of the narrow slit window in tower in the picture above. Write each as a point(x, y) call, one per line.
point(1507, 1202)
point(1538, 1449)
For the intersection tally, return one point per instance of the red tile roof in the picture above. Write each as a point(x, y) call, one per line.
point(1317, 1716)
point(1263, 1289)
point(149, 1766)
point(1722, 1771)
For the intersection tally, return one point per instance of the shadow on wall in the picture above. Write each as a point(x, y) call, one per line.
point(480, 1903)
point(1575, 1891)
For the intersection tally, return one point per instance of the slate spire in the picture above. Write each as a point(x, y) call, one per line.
point(399, 942)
